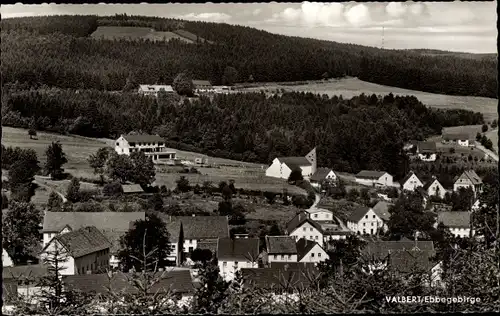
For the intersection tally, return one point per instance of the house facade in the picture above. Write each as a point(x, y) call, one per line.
point(152, 146)
point(203, 86)
point(363, 220)
point(154, 89)
point(235, 254)
point(469, 179)
point(303, 227)
point(319, 214)
point(374, 178)
point(411, 182)
point(310, 251)
point(426, 151)
point(457, 222)
point(321, 175)
point(435, 188)
point(282, 167)
point(6, 260)
point(459, 139)
point(281, 249)
point(83, 251)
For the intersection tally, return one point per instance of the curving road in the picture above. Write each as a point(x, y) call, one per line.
point(39, 180)
point(313, 207)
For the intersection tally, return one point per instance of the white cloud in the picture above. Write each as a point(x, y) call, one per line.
point(396, 9)
point(358, 15)
point(256, 12)
point(207, 16)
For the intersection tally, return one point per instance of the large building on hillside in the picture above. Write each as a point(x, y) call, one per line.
point(151, 145)
point(154, 89)
point(374, 178)
point(282, 167)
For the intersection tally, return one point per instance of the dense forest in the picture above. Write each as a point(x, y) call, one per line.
point(57, 51)
point(365, 132)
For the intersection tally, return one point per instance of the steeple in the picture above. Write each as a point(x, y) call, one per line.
point(311, 157)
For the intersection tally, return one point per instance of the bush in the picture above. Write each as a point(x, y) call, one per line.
point(484, 128)
point(295, 175)
point(270, 196)
point(5, 201)
point(87, 195)
point(113, 188)
point(183, 184)
point(89, 207)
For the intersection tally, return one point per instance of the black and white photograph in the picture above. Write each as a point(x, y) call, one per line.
point(250, 158)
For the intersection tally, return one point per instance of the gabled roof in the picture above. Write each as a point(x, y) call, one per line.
point(427, 147)
point(382, 210)
point(410, 260)
point(380, 249)
point(202, 83)
point(196, 227)
point(143, 138)
point(472, 176)
point(369, 174)
point(408, 176)
point(238, 249)
point(281, 245)
point(132, 188)
point(156, 87)
point(457, 136)
point(320, 174)
point(83, 241)
point(295, 162)
point(177, 281)
point(454, 219)
point(114, 238)
point(106, 221)
point(296, 276)
point(27, 272)
point(358, 213)
point(303, 247)
point(429, 183)
point(300, 219)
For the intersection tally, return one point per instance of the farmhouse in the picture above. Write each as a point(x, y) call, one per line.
point(434, 188)
point(374, 178)
point(112, 224)
point(459, 139)
point(235, 254)
point(302, 226)
point(469, 179)
point(281, 249)
point(22, 282)
point(310, 251)
point(321, 175)
point(381, 209)
point(155, 90)
point(283, 166)
point(151, 145)
point(411, 182)
point(83, 251)
point(457, 222)
point(202, 86)
point(363, 220)
point(426, 151)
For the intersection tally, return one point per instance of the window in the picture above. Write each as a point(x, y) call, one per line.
point(364, 224)
point(224, 264)
point(316, 237)
point(236, 263)
point(310, 229)
point(366, 216)
point(312, 255)
point(275, 256)
point(117, 144)
point(319, 254)
point(289, 256)
point(304, 229)
point(311, 237)
point(316, 215)
point(372, 223)
point(191, 249)
point(371, 231)
point(373, 216)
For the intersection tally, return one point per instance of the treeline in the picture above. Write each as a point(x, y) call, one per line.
point(365, 132)
point(57, 51)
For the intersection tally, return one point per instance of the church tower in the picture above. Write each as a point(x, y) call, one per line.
point(311, 157)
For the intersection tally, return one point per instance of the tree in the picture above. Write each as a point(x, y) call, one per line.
point(73, 192)
point(484, 128)
point(212, 292)
point(325, 76)
point(275, 230)
point(183, 184)
point(494, 124)
point(21, 231)
point(5, 201)
point(56, 158)
point(230, 76)
point(295, 175)
point(250, 78)
point(20, 182)
point(32, 132)
point(201, 255)
point(208, 186)
point(408, 217)
point(97, 162)
point(478, 137)
point(462, 200)
point(352, 195)
point(365, 195)
point(113, 188)
point(452, 150)
point(183, 85)
point(149, 236)
point(120, 167)
point(130, 84)
point(157, 202)
point(55, 202)
point(227, 193)
point(144, 169)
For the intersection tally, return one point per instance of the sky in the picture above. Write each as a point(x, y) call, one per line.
point(454, 26)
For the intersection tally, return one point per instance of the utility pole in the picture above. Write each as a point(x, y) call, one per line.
point(383, 36)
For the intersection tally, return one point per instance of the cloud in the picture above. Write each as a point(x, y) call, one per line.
point(396, 9)
point(256, 12)
point(358, 15)
point(207, 16)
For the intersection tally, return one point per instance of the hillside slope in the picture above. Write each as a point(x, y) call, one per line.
point(58, 51)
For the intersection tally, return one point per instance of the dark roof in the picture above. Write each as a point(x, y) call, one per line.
point(27, 272)
point(83, 241)
point(114, 238)
point(429, 183)
point(454, 219)
point(202, 83)
point(210, 245)
point(295, 162)
point(281, 245)
point(457, 136)
point(197, 227)
point(426, 147)
point(408, 176)
point(112, 221)
point(320, 174)
point(358, 213)
point(238, 249)
point(178, 281)
point(143, 138)
point(382, 210)
point(368, 174)
point(303, 247)
point(132, 188)
point(410, 260)
point(300, 219)
point(472, 176)
point(380, 249)
point(278, 277)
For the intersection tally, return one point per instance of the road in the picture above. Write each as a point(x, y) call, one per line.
point(313, 207)
point(40, 182)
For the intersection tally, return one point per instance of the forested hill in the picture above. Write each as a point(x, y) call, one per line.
point(58, 51)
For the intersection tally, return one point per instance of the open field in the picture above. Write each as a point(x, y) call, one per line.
point(350, 87)
point(464, 129)
point(135, 33)
point(493, 135)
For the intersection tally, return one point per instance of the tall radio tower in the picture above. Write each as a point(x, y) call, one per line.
point(383, 35)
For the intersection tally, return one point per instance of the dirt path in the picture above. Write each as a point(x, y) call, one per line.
point(39, 180)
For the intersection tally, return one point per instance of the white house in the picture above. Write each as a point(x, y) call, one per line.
point(82, 251)
point(363, 220)
point(411, 182)
point(22, 282)
point(469, 179)
point(320, 214)
point(310, 251)
point(235, 254)
point(426, 151)
point(321, 175)
point(457, 222)
point(302, 226)
point(435, 188)
point(281, 249)
point(112, 224)
point(151, 145)
point(374, 178)
point(6, 260)
point(477, 205)
point(203, 86)
point(154, 89)
point(459, 139)
point(282, 167)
